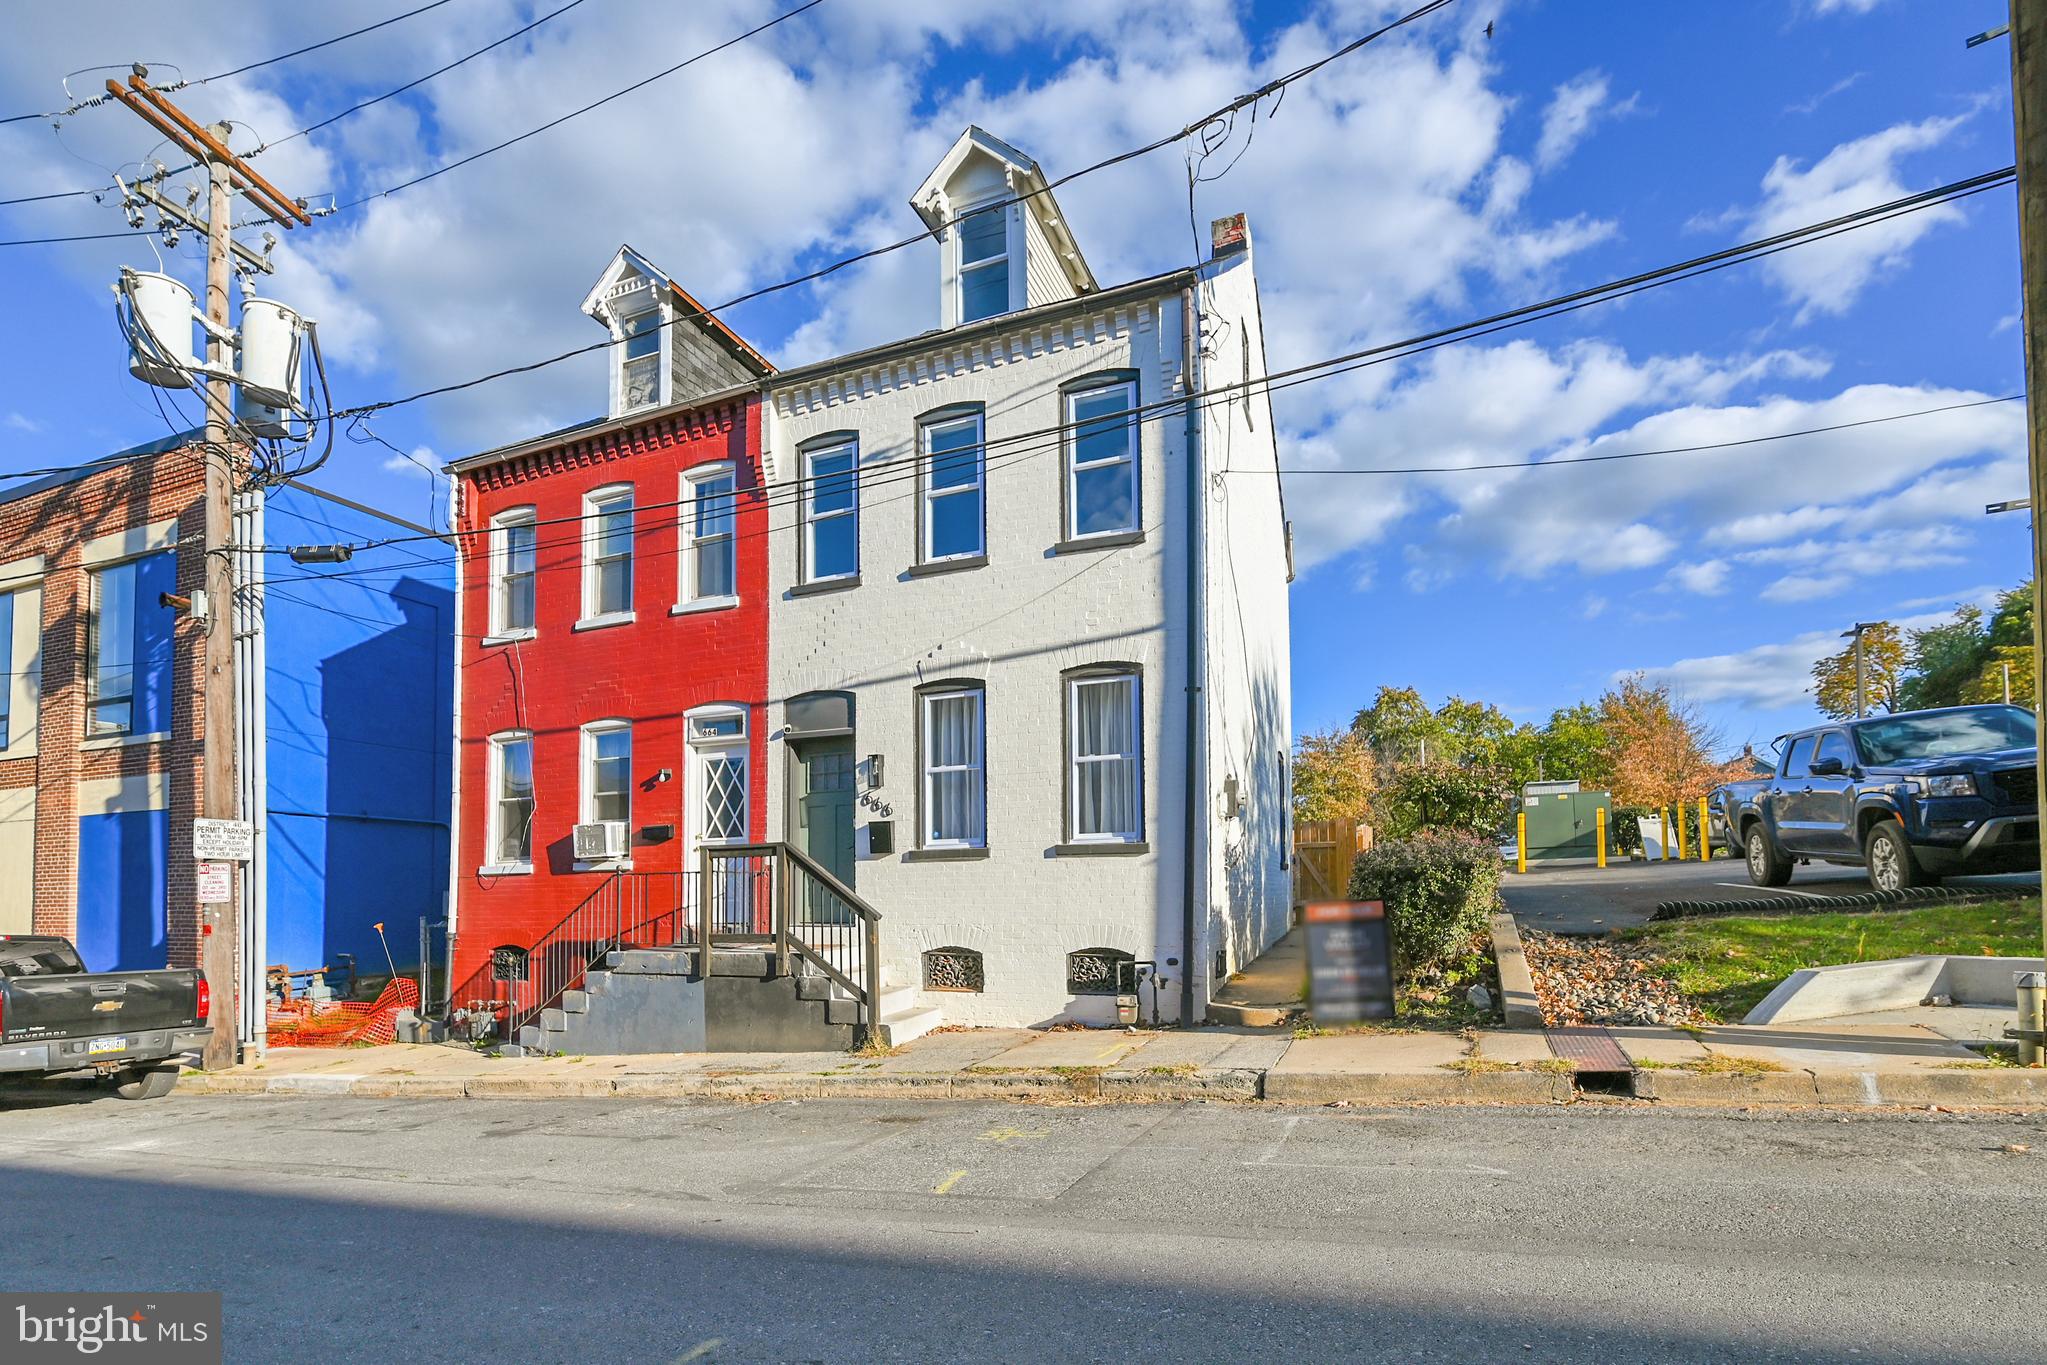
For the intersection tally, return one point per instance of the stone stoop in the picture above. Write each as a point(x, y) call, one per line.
point(646, 1000)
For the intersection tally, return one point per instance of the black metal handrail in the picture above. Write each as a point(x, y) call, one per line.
point(778, 894)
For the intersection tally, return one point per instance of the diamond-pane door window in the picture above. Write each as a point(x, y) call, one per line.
point(724, 796)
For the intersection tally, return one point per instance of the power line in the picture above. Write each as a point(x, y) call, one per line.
point(1644, 454)
point(1480, 327)
point(834, 267)
point(1428, 340)
point(576, 113)
point(97, 100)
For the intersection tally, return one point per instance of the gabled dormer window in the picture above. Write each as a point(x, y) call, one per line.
point(639, 376)
point(983, 244)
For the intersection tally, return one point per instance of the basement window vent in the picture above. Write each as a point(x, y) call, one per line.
point(954, 969)
point(1094, 971)
point(508, 963)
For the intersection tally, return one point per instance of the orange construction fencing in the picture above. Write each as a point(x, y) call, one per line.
point(302, 1023)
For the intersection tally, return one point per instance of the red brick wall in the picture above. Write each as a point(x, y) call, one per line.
point(650, 672)
point(56, 524)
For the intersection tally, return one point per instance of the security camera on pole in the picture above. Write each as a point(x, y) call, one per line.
point(152, 307)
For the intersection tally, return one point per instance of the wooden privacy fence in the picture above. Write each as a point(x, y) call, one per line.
point(1323, 853)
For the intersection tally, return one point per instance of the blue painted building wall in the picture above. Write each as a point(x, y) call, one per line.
point(359, 701)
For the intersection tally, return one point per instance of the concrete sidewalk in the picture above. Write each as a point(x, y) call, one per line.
point(1799, 1064)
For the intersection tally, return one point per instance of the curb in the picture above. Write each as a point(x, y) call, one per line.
point(1956, 1088)
point(1491, 1087)
point(1518, 1004)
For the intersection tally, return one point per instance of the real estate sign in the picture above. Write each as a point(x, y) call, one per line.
point(1350, 961)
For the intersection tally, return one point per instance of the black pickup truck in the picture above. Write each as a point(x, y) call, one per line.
point(132, 1029)
point(1912, 797)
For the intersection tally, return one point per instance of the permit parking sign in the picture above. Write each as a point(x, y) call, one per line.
point(223, 841)
point(1350, 961)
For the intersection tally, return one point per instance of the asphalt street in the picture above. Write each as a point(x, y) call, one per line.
point(352, 1229)
point(1580, 898)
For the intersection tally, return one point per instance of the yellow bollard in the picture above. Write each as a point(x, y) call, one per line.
point(1678, 812)
point(1663, 821)
point(1705, 823)
point(1521, 841)
point(1599, 824)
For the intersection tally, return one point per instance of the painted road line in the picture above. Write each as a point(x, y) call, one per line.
point(945, 1186)
point(1010, 1134)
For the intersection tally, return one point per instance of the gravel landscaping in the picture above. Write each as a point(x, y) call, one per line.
point(1586, 981)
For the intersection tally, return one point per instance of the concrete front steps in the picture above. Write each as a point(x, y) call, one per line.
point(643, 1000)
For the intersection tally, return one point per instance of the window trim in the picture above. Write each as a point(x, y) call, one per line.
point(1007, 257)
point(688, 594)
point(1071, 536)
point(494, 864)
point(1070, 682)
point(500, 557)
point(654, 310)
point(932, 421)
point(95, 576)
point(830, 443)
point(924, 696)
point(586, 770)
point(596, 502)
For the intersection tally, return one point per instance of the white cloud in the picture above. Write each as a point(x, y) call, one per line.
point(15, 421)
point(1838, 87)
point(1764, 677)
point(1706, 578)
point(1805, 587)
point(420, 463)
point(1575, 107)
point(1826, 277)
point(1854, 6)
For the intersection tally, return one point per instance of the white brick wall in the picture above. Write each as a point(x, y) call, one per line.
point(1016, 624)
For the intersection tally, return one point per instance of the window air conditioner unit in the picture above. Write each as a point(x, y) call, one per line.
point(605, 839)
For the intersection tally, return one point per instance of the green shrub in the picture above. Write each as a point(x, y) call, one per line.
point(1439, 889)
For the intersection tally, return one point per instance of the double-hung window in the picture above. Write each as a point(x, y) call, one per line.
point(1101, 459)
point(709, 549)
point(510, 831)
point(831, 512)
point(955, 777)
point(608, 554)
point(1105, 758)
point(954, 479)
point(983, 239)
point(514, 565)
point(129, 649)
point(608, 772)
point(639, 373)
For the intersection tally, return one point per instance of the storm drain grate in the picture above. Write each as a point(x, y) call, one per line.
point(1589, 1049)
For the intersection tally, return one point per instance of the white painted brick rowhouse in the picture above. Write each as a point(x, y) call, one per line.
point(1068, 602)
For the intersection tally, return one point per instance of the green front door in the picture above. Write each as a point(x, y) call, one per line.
point(824, 804)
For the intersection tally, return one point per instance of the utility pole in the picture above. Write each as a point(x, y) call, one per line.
point(2029, 134)
point(219, 796)
point(1861, 688)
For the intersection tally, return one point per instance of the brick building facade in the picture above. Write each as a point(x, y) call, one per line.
point(61, 783)
point(612, 636)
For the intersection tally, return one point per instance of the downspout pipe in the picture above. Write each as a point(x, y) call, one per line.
point(1196, 635)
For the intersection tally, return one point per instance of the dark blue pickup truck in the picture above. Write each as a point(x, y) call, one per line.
point(1913, 797)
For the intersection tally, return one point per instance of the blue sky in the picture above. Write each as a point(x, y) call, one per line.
point(1431, 177)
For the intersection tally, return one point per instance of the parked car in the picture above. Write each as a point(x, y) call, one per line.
point(132, 1029)
point(1912, 797)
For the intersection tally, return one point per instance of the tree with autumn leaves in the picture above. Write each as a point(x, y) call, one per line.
point(1404, 766)
point(1964, 660)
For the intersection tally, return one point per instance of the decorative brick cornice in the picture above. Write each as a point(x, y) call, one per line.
point(619, 443)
